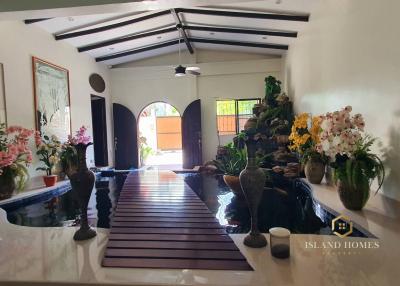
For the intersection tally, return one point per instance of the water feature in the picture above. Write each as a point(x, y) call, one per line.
point(297, 211)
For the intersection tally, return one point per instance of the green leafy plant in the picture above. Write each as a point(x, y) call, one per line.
point(362, 168)
point(272, 90)
point(233, 161)
point(68, 158)
point(48, 151)
point(145, 150)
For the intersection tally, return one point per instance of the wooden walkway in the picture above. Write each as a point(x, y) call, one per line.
point(161, 223)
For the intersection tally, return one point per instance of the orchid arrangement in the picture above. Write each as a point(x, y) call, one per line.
point(48, 151)
point(80, 137)
point(342, 138)
point(15, 155)
point(340, 132)
point(304, 138)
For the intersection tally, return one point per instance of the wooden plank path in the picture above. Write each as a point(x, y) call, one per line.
point(160, 222)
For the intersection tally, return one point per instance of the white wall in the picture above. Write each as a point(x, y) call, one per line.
point(19, 42)
point(136, 87)
point(349, 55)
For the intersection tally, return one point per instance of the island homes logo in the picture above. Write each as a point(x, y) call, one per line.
point(342, 227)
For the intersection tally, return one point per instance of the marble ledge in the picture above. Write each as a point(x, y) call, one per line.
point(34, 193)
point(49, 256)
point(380, 216)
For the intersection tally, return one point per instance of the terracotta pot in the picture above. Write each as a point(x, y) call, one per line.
point(282, 139)
point(252, 180)
point(233, 183)
point(7, 186)
point(353, 198)
point(314, 170)
point(251, 123)
point(50, 181)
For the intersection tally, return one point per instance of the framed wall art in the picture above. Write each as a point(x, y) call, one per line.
point(3, 113)
point(52, 99)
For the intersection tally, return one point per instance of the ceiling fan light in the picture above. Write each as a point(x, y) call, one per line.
point(180, 71)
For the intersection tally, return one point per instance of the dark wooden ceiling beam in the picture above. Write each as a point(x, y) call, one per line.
point(126, 39)
point(182, 32)
point(241, 31)
point(238, 43)
point(32, 21)
point(251, 15)
point(111, 26)
point(193, 40)
point(137, 51)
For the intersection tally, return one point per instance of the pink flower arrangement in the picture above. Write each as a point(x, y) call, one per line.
point(340, 132)
point(80, 137)
point(14, 150)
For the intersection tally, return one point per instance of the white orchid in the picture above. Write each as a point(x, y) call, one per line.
point(340, 132)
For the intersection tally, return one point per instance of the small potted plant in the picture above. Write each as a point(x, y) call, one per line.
point(355, 166)
point(15, 156)
point(231, 163)
point(304, 140)
point(48, 151)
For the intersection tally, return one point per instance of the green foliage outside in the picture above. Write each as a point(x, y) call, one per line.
point(227, 107)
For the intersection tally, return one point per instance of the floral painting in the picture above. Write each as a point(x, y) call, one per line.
point(52, 102)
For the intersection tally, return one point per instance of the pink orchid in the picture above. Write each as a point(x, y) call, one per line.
point(80, 137)
point(340, 132)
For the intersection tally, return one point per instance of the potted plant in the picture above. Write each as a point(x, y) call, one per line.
point(48, 151)
point(355, 166)
point(304, 140)
point(231, 163)
point(15, 156)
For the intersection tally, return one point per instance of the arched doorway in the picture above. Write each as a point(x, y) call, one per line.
point(160, 136)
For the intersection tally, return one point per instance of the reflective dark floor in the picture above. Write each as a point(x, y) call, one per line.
point(294, 209)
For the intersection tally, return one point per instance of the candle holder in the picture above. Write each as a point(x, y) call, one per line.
point(280, 242)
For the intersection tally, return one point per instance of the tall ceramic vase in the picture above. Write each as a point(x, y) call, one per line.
point(82, 182)
point(252, 180)
point(314, 170)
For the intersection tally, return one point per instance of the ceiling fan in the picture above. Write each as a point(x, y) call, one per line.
point(181, 70)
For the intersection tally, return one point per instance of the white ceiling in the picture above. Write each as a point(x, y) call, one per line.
point(63, 25)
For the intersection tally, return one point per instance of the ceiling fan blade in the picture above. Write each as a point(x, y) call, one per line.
point(193, 72)
point(192, 68)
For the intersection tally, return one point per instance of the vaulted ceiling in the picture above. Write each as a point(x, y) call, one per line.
point(264, 27)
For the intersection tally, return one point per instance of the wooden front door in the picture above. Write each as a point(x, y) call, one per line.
point(99, 124)
point(191, 136)
point(125, 138)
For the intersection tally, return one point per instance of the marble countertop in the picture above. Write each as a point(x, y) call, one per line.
point(49, 255)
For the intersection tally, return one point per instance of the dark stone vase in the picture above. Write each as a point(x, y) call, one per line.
point(7, 184)
point(252, 180)
point(82, 182)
